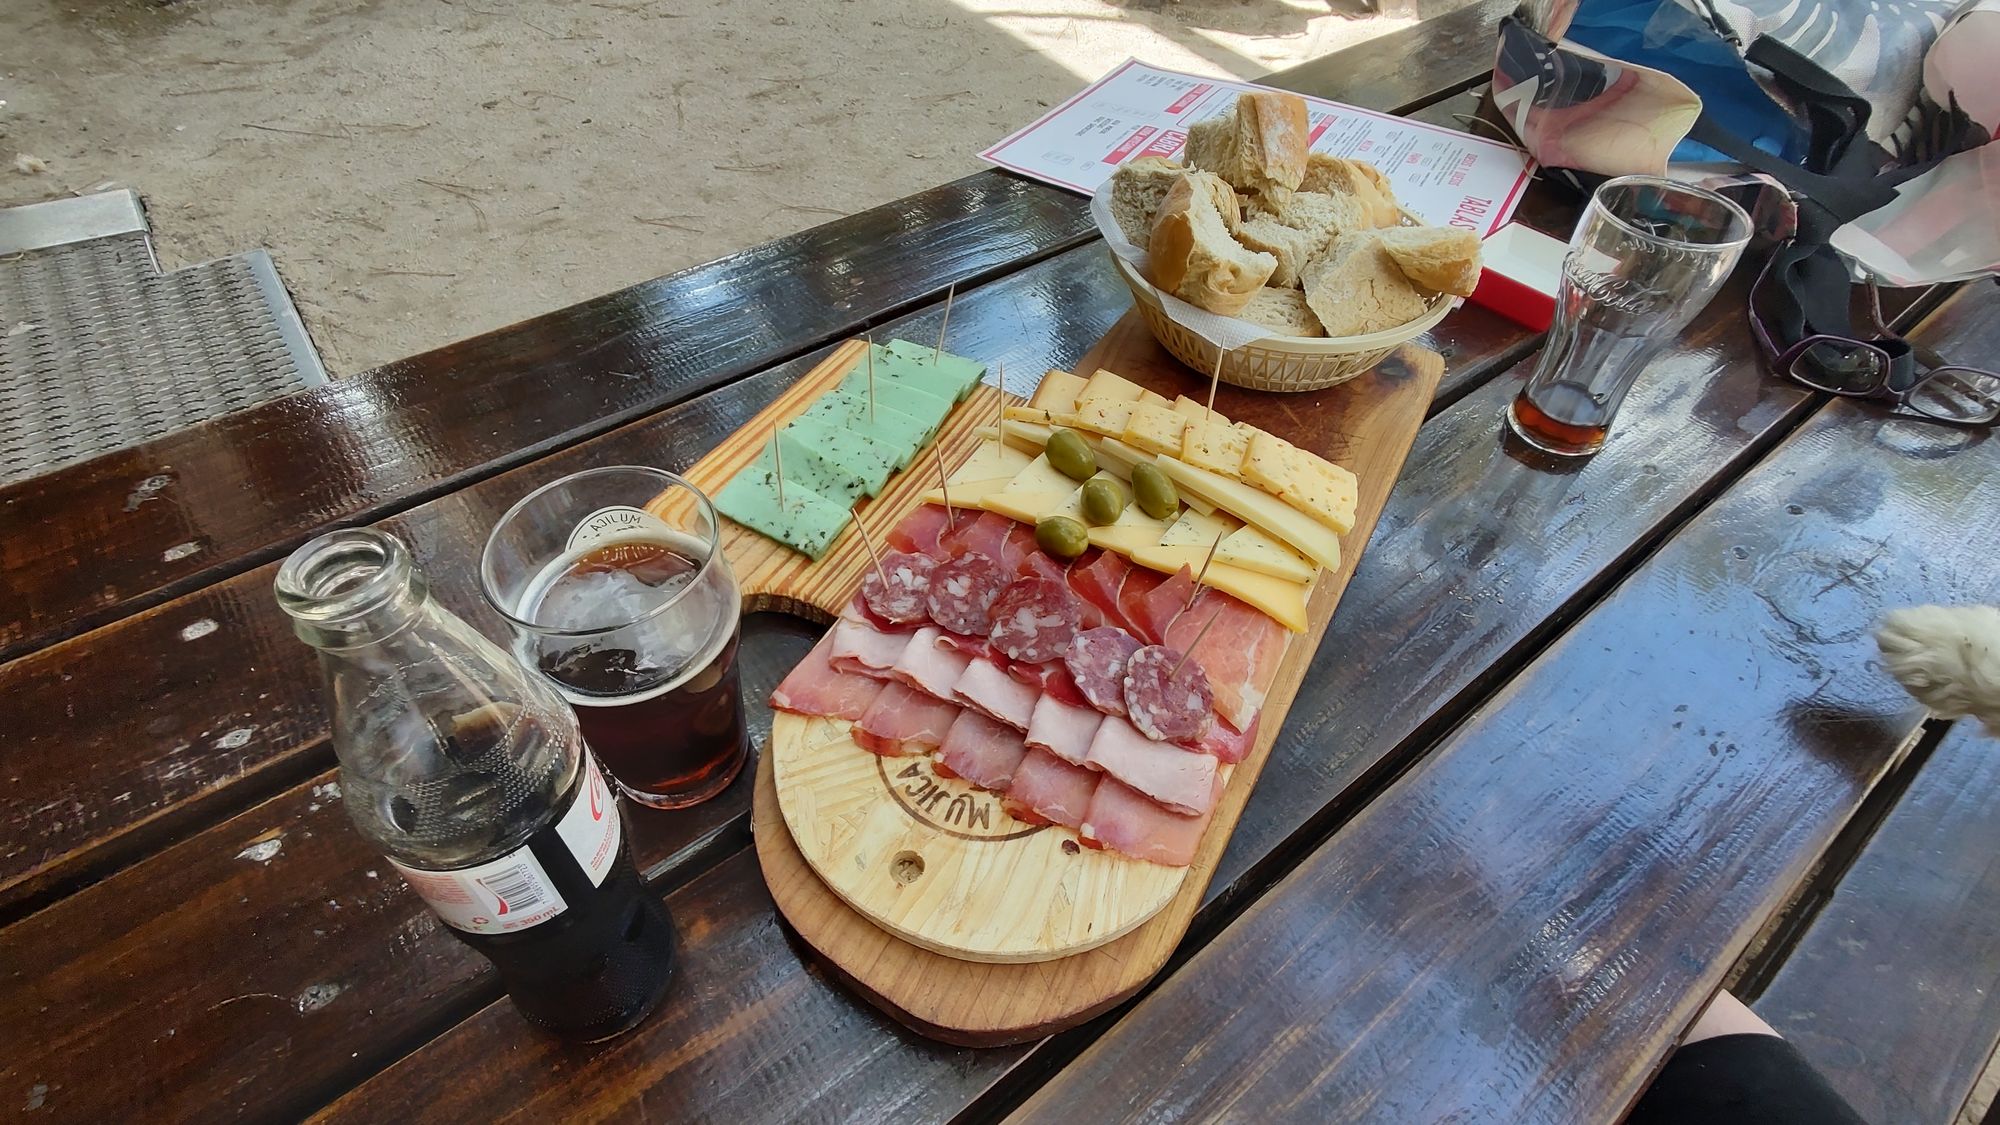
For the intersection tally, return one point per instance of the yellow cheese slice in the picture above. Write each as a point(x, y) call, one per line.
point(1106, 384)
point(1134, 530)
point(1113, 456)
point(1105, 416)
point(1034, 414)
point(1155, 428)
point(968, 494)
point(1040, 477)
point(1027, 436)
point(1304, 534)
point(990, 461)
point(1189, 408)
point(1194, 529)
point(1284, 601)
point(1154, 398)
point(1027, 507)
point(1251, 549)
point(1058, 390)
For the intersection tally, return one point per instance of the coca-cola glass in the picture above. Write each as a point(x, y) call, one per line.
point(1647, 256)
point(614, 583)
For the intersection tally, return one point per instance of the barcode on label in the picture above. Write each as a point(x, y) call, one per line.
point(517, 888)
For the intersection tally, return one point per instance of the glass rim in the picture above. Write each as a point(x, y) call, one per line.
point(672, 480)
point(1741, 216)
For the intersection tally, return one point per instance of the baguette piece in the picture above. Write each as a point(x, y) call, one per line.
point(1299, 230)
point(1137, 189)
point(1259, 145)
point(1194, 257)
point(1283, 311)
point(1355, 288)
point(1442, 258)
point(1356, 179)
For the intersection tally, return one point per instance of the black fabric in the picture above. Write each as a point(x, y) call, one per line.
point(1741, 1080)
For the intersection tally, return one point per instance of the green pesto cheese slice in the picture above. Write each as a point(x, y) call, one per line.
point(805, 464)
point(804, 521)
point(956, 371)
point(884, 423)
point(926, 406)
point(859, 454)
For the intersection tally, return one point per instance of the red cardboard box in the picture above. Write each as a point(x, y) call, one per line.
point(1521, 269)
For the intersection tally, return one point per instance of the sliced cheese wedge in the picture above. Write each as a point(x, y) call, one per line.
point(990, 460)
point(1134, 530)
point(1041, 477)
point(1197, 529)
point(1027, 507)
point(1190, 408)
point(1108, 384)
point(1283, 522)
point(968, 494)
point(1284, 601)
point(1058, 390)
point(1252, 549)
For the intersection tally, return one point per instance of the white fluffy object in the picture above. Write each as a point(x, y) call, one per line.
point(1948, 657)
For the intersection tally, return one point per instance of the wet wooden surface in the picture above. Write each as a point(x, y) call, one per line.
point(196, 932)
point(1893, 992)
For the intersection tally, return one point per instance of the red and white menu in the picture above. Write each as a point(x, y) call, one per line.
point(1447, 177)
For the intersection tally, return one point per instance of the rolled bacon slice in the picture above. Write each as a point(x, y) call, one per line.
point(1048, 790)
point(929, 665)
point(1121, 819)
point(1182, 780)
point(863, 650)
point(1062, 729)
point(981, 751)
point(814, 687)
point(904, 721)
point(986, 688)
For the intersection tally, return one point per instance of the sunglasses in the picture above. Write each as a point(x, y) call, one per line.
point(1885, 369)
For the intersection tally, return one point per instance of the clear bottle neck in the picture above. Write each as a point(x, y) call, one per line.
point(351, 588)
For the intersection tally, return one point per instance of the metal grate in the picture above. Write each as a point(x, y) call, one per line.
point(99, 350)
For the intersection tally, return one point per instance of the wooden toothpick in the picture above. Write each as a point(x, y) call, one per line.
point(1197, 640)
point(778, 458)
point(868, 340)
point(1213, 380)
point(1000, 377)
point(1204, 568)
point(944, 486)
point(937, 356)
point(868, 541)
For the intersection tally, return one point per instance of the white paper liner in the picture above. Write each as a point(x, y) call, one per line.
point(1225, 332)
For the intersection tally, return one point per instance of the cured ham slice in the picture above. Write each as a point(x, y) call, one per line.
point(1052, 678)
point(983, 536)
point(1166, 603)
point(1241, 653)
point(1048, 790)
point(1181, 780)
point(974, 648)
point(904, 721)
point(919, 532)
point(858, 612)
point(1017, 548)
point(928, 665)
point(981, 751)
point(1062, 729)
point(816, 688)
point(1225, 742)
point(1096, 577)
point(986, 688)
point(1121, 819)
point(1040, 564)
point(1133, 591)
point(866, 651)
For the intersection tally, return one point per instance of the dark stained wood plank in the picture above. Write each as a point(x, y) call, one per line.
point(1518, 929)
point(184, 712)
point(135, 528)
point(1893, 992)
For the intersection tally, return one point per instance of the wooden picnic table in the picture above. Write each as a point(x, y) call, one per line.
point(1577, 733)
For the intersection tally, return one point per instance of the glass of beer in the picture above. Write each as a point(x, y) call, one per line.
point(1647, 256)
point(614, 584)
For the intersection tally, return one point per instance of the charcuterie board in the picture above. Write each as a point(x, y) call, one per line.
point(998, 931)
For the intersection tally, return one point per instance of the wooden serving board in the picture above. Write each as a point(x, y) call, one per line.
point(1367, 426)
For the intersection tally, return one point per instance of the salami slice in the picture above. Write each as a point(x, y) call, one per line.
point(962, 591)
point(896, 590)
point(1167, 709)
point(1096, 661)
point(1034, 619)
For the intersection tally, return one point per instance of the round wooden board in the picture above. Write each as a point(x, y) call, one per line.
point(940, 864)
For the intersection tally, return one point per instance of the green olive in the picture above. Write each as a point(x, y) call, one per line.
point(1070, 455)
point(1154, 491)
point(1103, 501)
point(1061, 536)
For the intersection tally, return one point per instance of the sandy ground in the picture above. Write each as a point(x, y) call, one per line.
point(424, 170)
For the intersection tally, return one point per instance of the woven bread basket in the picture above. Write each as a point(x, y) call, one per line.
point(1278, 363)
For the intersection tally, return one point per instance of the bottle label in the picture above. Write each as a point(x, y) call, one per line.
point(511, 893)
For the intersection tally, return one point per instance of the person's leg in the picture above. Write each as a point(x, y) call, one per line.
point(1733, 1069)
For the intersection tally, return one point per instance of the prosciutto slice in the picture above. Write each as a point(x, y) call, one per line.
point(1063, 729)
point(1133, 591)
point(814, 687)
point(981, 751)
point(920, 531)
point(1225, 742)
point(1240, 654)
point(929, 665)
point(1096, 577)
point(903, 721)
point(983, 536)
point(984, 687)
point(1049, 678)
point(861, 649)
point(1048, 790)
point(1179, 779)
point(1017, 548)
point(1122, 819)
